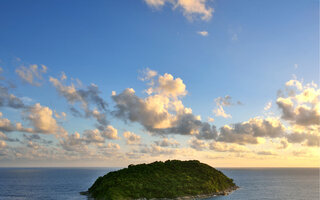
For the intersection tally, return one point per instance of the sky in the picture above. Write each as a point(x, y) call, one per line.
point(111, 83)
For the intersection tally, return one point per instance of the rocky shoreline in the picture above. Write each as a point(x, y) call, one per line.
point(197, 197)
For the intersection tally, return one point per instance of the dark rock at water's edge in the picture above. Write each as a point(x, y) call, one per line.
point(172, 179)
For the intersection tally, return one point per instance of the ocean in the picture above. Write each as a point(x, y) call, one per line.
point(66, 183)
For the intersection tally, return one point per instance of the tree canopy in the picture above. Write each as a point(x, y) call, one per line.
point(169, 179)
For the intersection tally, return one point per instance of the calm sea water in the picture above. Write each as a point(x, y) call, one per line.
point(66, 183)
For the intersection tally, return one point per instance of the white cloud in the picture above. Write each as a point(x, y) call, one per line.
point(41, 118)
point(131, 138)
point(301, 106)
point(223, 102)
point(250, 131)
point(162, 112)
point(306, 138)
point(155, 150)
point(283, 144)
point(219, 112)
point(110, 132)
point(93, 136)
point(73, 142)
point(294, 83)
point(2, 144)
point(198, 144)
point(62, 115)
point(224, 147)
point(266, 153)
point(7, 126)
point(10, 100)
point(147, 74)
point(203, 33)
point(32, 74)
point(169, 86)
point(156, 3)
point(191, 9)
point(63, 76)
point(114, 146)
point(267, 106)
point(210, 119)
point(165, 142)
point(88, 97)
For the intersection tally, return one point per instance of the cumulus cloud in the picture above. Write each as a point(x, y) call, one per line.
point(203, 33)
point(95, 137)
point(147, 74)
point(306, 138)
point(73, 142)
point(219, 112)
point(91, 145)
point(190, 8)
point(131, 138)
point(4, 137)
point(155, 150)
point(154, 114)
point(266, 153)
point(150, 112)
point(250, 131)
point(113, 146)
point(62, 115)
point(224, 102)
point(224, 147)
point(87, 98)
point(7, 126)
point(283, 144)
point(63, 76)
point(165, 142)
point(10, 100)
point(36, 138)
point(162, 111)
point(267, 106)
point(169, 86)
point(301, 106)
point(301, 153)
point(32, 74)
point(198, 144)
point(41, 117)
point(188, 124)
point(2, 144)
point(110, 133)
point(301, 114)
point(210, 119)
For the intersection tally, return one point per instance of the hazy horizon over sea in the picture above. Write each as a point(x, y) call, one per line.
point(66, 183)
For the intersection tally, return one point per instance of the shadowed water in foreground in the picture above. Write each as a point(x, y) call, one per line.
point(66, 183)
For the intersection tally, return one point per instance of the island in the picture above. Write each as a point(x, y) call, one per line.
point(172, 179)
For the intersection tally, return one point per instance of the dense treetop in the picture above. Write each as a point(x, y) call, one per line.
point(169, 179)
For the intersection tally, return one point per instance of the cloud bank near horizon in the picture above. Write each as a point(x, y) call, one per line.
point(160, 113)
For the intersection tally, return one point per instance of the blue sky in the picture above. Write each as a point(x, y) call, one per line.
point(252, 49)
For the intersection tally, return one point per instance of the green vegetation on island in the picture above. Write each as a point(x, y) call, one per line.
point(169, 179)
